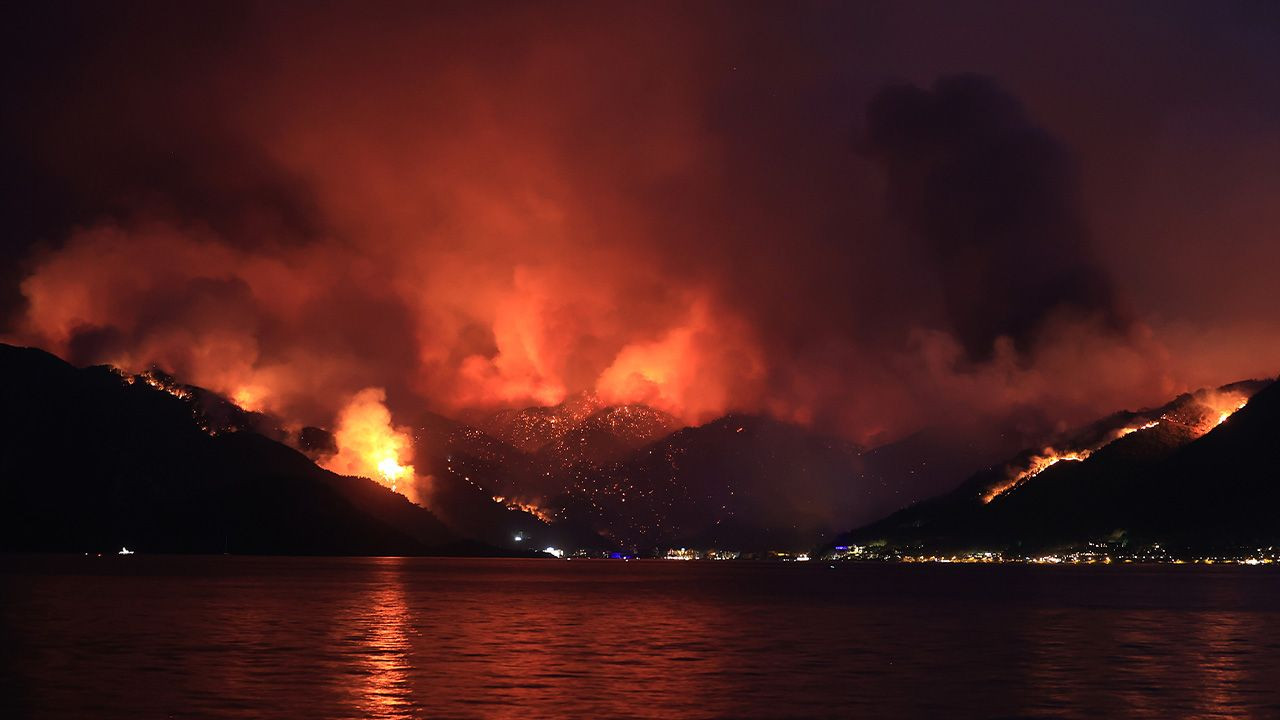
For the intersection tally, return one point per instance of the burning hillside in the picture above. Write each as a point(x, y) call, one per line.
point(368, 445)
point(578, 229)
point(1132, 476)
point(476, 238)
point(150, 463)
point(1198, 413)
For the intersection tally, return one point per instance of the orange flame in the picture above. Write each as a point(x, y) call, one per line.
point(1209, 409)
point(534, 510)
point(1216, 406)
point(155, 381)
point(1038, 464)
point(370, 446)
point(1221, 405)
point(1051, 456)
point(250, 397)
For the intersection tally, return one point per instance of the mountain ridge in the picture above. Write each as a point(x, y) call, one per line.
point(92, 462)
point(1148, 485)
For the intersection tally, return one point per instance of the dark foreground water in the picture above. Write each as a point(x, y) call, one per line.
point(207, 637)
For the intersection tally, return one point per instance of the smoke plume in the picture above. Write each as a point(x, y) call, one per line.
point(482, 207)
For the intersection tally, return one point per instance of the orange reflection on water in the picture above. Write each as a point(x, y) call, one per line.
point(1151, 660)
point(1047, 645)
point(1225, 638)
point(387, 658)
point(618, 651)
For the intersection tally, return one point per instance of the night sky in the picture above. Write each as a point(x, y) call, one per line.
point(869, 218)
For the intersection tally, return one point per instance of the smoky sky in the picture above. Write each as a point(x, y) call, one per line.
point(872, 218)
point(993, 196)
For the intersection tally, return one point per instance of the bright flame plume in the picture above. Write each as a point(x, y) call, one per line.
point(369, 445)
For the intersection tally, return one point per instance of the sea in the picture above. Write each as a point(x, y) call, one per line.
point(245, 637)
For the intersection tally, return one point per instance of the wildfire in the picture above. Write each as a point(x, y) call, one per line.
point(391, 470)
point(1224, 413)
point(1038, 464)
point(1051, 456)
point(249, 397)
point(370, 446)
point(1213, 409)
point(1131, 430)
point(157, 382)
point(530, 508)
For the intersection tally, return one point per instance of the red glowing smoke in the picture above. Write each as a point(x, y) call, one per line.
point(478, 208)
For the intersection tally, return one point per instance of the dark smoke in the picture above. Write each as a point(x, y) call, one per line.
point(477, 206)
point(993, 195)
point(109, 114)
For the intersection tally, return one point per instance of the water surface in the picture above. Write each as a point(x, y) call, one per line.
point(233, 637)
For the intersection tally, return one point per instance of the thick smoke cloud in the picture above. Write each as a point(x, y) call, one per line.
point(994, 197)
point(477, 207)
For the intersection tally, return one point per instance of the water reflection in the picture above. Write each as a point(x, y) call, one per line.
point(1227, 648)
point(409, 638)
point(1050, 638)
point(1143, 655)
point(592, 646)
point(386, 653)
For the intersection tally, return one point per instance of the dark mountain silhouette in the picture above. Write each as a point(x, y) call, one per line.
point(453, 458)
point(91, 460)
point(147, 461)
point(740, 482)
point(621, 474)
point(545, 453)
point(469, 470)
point(902, 472)
point(1194, 475)
point(1223, 489)
point(94, 459)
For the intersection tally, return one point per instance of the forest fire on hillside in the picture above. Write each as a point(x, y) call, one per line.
point(157, 381)
point(1200, 413)
point(370, 446)
point(534, 510)
point(1207, 409)
point(1221, 405)
point(1051, 456)
point(492, 232)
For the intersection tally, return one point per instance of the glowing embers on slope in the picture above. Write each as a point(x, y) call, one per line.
point(1052, 456)
point(534, 510)
point(158, 381)
point(1220, 406)
point(1207, 409)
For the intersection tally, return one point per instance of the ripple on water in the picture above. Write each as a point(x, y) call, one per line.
point(403, 638)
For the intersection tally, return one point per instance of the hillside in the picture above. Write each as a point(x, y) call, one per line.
point(1199, 473)
point(740, 482)
point(91, 460)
